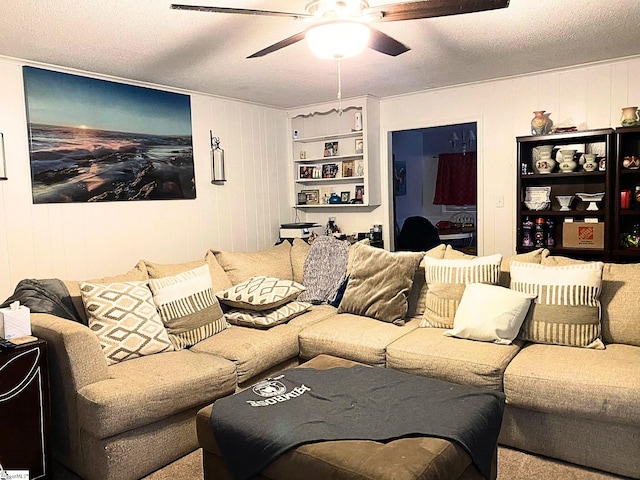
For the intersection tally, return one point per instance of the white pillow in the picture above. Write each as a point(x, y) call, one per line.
point(490, 313)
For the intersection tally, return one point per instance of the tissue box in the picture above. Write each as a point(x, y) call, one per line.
point(15, 322)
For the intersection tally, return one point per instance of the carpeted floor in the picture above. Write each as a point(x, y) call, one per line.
point(512, 465)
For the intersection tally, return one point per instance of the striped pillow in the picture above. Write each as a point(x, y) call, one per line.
point(447, 280)
point(188, 307)
point(566, 310)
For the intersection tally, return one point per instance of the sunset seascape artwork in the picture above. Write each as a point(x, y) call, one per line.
point(94, 140)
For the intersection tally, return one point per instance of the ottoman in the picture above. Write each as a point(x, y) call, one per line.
point(407, 458)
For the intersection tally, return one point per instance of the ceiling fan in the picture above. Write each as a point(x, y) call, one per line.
point(357, 14)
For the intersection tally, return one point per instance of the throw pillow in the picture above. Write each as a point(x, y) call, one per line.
point(266, 318)
point(566, 310)
point(240, 266)
point(219, 278)
point(418, 294)
point(125, 319)
point(188, 306)
point(260, 293)
point(379, 283)
point(447, 280)
point(490, 313)
point(137, 273)
point(324, 270)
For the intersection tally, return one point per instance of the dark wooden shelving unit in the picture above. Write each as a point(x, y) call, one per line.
point(599, 141)
point(627, 144)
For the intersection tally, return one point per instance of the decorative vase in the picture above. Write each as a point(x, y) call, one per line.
point(545, 163)
point(567, 164)
point(539, 123)
point(629, 117)
point(590, 164)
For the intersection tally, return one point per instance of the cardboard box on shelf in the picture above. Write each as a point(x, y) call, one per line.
point(583, 235)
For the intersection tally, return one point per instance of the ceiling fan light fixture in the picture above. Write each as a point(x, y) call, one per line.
point(338, 39)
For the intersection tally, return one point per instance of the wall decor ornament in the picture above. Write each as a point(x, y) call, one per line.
point(93, 140)
point(3, 162)
point(629, 117)
point(218, 175)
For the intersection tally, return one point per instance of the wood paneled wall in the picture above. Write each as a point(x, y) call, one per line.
point(592, 96)
point(82, 241)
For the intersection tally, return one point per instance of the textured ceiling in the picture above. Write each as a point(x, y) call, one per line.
point(145, 40)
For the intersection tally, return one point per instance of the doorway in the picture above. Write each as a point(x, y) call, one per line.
point(435, 177)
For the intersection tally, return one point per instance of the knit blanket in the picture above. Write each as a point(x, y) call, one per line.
point(325, 270)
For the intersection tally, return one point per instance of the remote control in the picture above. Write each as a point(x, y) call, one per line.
point(6, 344)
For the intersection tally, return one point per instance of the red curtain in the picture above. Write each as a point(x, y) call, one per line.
point(456, 180)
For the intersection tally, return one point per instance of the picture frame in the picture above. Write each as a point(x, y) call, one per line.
point(94, 140)
point(302, 198)
point(348, 168)
point(3, 164)
point(359, 145)
point(329, 170)
point(305, 172)
point(359, 196)
point(330, 149)
point(312, 196)
point(345, 197)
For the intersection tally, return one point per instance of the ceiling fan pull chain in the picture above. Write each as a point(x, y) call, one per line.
point(339, 88)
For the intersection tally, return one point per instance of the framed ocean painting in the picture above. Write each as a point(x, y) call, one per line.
point(93, 140)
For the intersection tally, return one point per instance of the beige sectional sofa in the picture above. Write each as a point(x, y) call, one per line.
point(125, 420)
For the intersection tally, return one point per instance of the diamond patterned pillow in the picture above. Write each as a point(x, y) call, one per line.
point(125, 319)
point(188, 306)
point(266, 318)
point(260, 293)
point(447, 280)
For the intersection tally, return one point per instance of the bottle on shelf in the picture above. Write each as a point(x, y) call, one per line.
point(550, 232)
point(527, 232)
point(539, 236)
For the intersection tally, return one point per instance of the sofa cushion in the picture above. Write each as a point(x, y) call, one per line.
point(427, 352)
point(490, 313)
point(219, 278)
point(447, 279)
point(535, 256)
point(298, 253)
point(136, 274)
point(125, 319)
point(566, 310)
point(379, 283)
point(597, 384)
point(252, 350)
point(152, 388)
point(619, 299)
point(188, 307)
point(315, 314)
point(260, 293)
point(273, 262)
point(354, 337)
point(266, 318)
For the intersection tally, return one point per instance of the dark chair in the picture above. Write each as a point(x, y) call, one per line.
point(417, 234)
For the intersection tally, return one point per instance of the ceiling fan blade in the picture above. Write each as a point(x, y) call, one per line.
point(242, 11)
point(383, 43)
point(278, 45)
point(432, 8)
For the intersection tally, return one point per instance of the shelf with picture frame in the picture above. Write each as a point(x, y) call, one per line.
point(349, 141)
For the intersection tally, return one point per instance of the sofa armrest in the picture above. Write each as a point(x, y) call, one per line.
point(75, 359)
